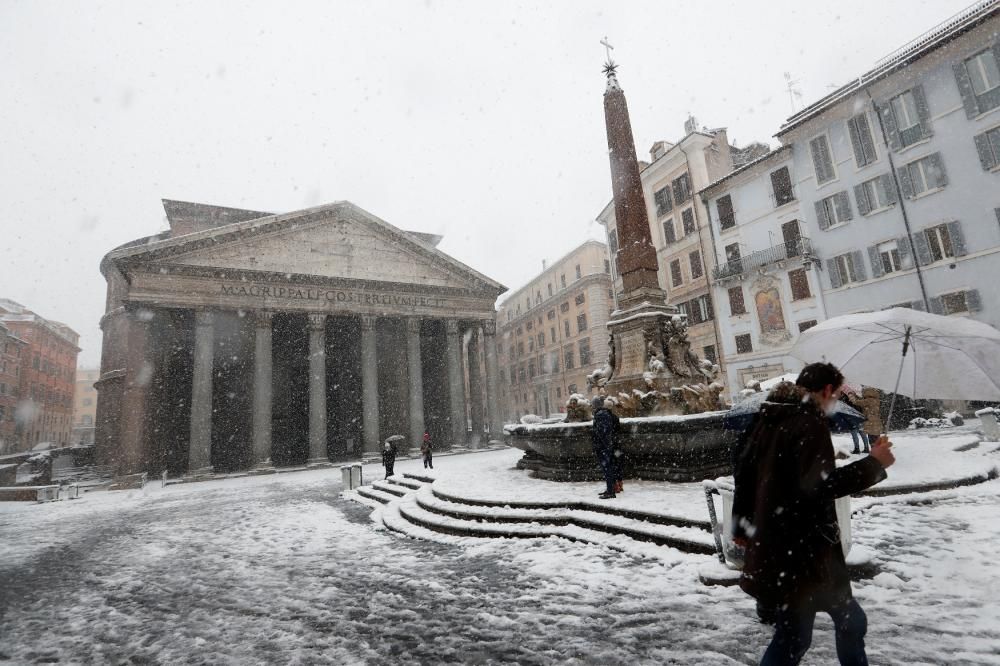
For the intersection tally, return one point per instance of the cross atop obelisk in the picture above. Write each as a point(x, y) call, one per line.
point(608, 48)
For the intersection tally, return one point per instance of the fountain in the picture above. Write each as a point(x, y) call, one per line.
point(669, 398)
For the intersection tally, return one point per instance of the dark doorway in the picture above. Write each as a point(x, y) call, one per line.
point(290, 409)
point(343, 387)
point(232, 393)
point(169, 405)
point(433, 357)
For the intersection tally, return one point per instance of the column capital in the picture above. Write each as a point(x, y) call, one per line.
point(489, 327)
point(263, 318)
point(317, 322)
point(204, 317)
point(413, 324)
point(368, 322)
point(451, 327)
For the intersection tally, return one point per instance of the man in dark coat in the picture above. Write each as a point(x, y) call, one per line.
point(784, 515)
point(389, 458)
point(603, 439)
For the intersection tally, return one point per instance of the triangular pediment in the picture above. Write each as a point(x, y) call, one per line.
point(338, 241)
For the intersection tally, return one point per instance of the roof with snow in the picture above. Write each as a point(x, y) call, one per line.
point(749, 166)
point(930, 41)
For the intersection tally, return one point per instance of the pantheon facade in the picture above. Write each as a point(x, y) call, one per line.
point(240, 339)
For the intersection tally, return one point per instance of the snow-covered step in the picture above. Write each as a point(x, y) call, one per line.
point(594, 507)
point(687, 539)
point(390, 488)
point(375, 494)
point(422, 478)
point(406, 483)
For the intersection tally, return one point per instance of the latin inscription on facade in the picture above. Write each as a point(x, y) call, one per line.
point(633, 354)
point(332, 296)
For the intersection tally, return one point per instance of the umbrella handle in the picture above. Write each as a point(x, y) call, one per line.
point(899, 376)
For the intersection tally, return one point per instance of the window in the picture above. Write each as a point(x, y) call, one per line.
point(568, 357)
point(737, 306)
point(733, 252)
point(529, 325)
point(708, 353)
point(682, 189)
point(743, 344)
point(792, 237)
point(886, 257)
point(822, 159)
point(939, 242)
point(520, 349)
point(724, 207)
point(541, 339)
point(696, 268)
point(924, 175)
point(559, 391)
point(979, 81)
point(988, 147)
point(581, 323)
point(700, 309)
point(781, 186)
point(551, 315)
point(954, 303)
point(564, 307)
point(531, 345)
point(957, 302)
point(687, 221)
point(566, 327)
point(554, 361)
point(613, 247)
point(552, 335)
point(833, 210)
point(663, 202)
point(669, 235)
point(675, 273)
point(578, 274)
point(799, 282)
point(806, 325)
point(87, 402)
point(875, 194)
point(907, 118)
point(607, 266)
point(580, 298)
point(550, 289)
point(531, 369)
point(584, 349)
point(847, 268)
point(862, 142)
point(562, 280)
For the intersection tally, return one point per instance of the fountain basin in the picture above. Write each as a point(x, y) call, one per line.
point(663, 448)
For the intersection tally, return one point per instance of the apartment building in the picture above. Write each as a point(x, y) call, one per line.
point(552, 332)
point(11, 349)
point(85, 406)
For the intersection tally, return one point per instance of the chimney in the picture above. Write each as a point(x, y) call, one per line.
point(545, 264)
point(690, 125)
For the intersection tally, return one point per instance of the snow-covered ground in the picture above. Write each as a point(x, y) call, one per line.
point(278, 569)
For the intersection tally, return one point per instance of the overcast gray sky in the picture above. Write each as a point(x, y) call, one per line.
point(482, 121)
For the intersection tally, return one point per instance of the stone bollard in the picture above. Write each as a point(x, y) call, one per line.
point(356, 480)
point(345, 476)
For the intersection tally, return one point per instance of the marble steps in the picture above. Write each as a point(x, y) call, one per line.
point(390, 488)
point(375, 494)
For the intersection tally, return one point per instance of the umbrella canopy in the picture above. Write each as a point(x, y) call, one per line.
point(844, 418)
point(948, 358)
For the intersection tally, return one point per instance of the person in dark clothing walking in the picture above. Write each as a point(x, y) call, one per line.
point(603, 439)
point(389, 458)
point(857, 434)
point(425, 451)
point(784, 516)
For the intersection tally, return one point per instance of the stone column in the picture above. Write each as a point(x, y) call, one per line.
point(456, 382)
point(200, 442)
point(262, 389)
point(369, 383)
point(415, 375)
point(492, 372)
point(475, 389)
point(134, 456)
point(317, 390)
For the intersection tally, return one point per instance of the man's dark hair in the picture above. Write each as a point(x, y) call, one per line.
point(817, 376)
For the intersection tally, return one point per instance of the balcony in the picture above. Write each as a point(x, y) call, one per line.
point(801, 248)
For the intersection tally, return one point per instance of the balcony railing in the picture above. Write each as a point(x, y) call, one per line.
point(771, 255)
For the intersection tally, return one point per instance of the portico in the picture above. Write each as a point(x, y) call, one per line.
point(289, 339)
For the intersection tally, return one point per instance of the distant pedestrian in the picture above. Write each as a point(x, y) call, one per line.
point(427, 452)
point(785, 518)
point(871, 406)
point(603, 439)
point(389, 458)
point(859, 436)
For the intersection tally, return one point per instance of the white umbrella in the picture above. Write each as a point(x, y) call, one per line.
point(911, 352)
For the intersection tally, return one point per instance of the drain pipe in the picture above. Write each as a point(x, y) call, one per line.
point(900, 199)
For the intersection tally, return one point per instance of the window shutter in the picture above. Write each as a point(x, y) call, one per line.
point(859, 266)
point(835, 280)
point(843, 203)
point(923, 112)
point(888, 188)
point(821, 217)
point(889, 123)
point(876, 261)
point(973, 301)
point(905, 254)
point(985, 151)
point(937, 307)
point(965, 89)
point(940, 175)
point(921, 248)
point(957, 239)
point(859, 151)
point(867, 140)
point(859, 195)
point(905, 184)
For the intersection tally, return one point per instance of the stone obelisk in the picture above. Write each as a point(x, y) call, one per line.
point(638, 326)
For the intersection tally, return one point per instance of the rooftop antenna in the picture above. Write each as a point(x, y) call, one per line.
point(791, 85)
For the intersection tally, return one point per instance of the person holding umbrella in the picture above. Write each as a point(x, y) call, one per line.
point(784, 516)
point(389, 457)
